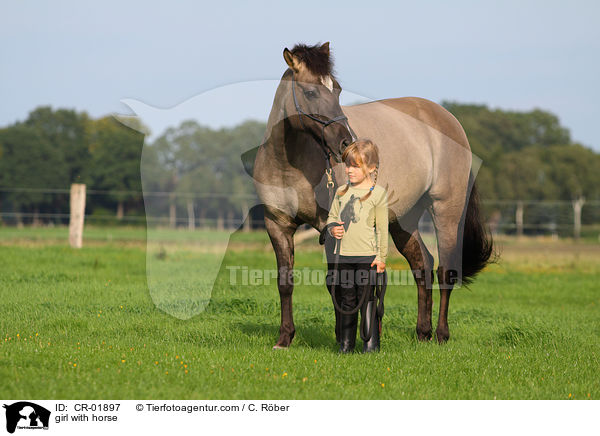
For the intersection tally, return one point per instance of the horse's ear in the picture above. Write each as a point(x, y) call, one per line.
point(325, 48)
point(291, 60)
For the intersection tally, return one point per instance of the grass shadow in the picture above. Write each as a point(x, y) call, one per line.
point(307, 336)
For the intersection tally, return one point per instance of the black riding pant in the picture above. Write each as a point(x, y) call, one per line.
point(353, 276)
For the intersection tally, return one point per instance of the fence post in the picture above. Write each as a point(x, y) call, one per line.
point(248, 220)
point(172, 214)
point(519, 218)
point(191, 215)
point(220, 225)
point(77, 215)
point(577, 205)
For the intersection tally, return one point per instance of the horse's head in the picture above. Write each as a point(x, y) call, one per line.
point(312, 103)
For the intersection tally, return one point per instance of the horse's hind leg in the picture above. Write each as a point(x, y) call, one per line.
point(408, 241)
point(447, 222)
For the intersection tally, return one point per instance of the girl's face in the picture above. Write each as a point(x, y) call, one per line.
point(355, 173)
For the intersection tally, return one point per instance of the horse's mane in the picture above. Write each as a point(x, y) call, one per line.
point(318, 62)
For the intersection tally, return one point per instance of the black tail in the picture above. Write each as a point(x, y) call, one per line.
point(478, 244)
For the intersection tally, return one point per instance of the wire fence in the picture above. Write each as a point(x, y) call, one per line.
point(50, 207)
point(192, 210)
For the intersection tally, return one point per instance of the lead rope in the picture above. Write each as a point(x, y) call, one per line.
point(377, 315)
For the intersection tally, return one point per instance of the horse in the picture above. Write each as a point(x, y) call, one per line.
point(347, 214)
point(425, 165)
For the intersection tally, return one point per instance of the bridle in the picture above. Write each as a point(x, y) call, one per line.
point(326, 149)
point(312, 117)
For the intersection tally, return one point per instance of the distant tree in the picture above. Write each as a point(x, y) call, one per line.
point(486, 183)
point(68, 131)
point(199, 160)
point(516, 149)
point(29, 160)
point(575, 170)
point(115, 160)
point(244, 137)
point(523, 175)
point(492, 133)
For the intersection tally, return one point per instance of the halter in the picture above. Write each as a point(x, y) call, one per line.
point(328, 170)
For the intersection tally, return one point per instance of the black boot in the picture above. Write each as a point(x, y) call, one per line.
point(371, 322)
point(348, 332)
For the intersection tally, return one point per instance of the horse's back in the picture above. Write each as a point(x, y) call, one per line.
point(428, 112)
point(422, 146)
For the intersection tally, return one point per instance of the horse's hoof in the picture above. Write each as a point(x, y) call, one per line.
point(424, 335)
point(279, 347)
point(442, 336)
point(283, 342)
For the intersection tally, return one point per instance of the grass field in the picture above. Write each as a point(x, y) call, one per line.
point(81, 324)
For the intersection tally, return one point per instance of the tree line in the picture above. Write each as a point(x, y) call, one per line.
point(526, 156)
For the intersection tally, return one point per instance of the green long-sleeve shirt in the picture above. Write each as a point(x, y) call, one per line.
point(365, 224)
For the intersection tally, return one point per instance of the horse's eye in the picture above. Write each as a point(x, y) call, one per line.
point(310, 93)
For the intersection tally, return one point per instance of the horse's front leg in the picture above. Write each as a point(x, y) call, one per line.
point(281, 232)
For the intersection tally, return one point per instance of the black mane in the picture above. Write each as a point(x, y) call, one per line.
point(317, 61)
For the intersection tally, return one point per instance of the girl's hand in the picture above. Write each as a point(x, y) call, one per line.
point(380, 265)
point(337, 231)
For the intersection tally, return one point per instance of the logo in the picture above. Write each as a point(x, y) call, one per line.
point(26, 415)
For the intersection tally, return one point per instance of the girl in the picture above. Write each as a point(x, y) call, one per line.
point(358, 217)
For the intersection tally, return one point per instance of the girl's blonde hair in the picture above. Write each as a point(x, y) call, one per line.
point(364, 153)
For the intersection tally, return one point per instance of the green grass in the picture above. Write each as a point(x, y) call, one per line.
point(82, 324)
point(94, 234)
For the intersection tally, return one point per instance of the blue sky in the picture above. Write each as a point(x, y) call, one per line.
point(511, 55)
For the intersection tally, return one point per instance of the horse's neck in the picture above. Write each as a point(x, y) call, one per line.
point(275, 154)
point(288, 149)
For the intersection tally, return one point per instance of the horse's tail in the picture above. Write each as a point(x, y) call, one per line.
point(478, 244)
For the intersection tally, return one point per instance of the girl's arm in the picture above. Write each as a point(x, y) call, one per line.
point(381, 227)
